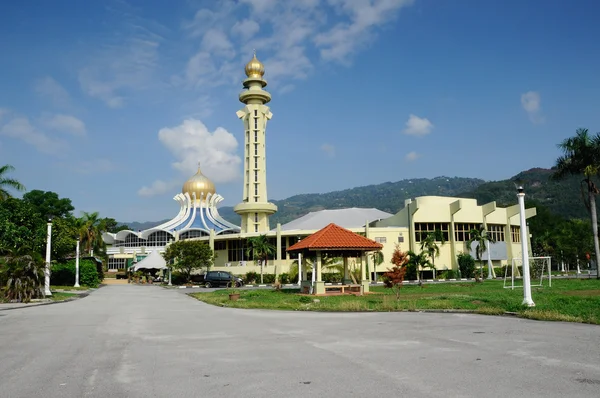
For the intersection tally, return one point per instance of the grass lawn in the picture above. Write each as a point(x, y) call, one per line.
point(567, 300)
point(61, 296)
point(53, 288)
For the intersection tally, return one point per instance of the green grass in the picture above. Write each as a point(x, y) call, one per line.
point(52, 288)
point(567, 300)
point(61, 296)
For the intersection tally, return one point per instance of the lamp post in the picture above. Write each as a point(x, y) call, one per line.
point(527, 300)
point(47, 291)
point(77, 264)
point(489, 258)
point(299, 266)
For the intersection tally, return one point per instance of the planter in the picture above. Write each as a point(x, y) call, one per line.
point(234, 296)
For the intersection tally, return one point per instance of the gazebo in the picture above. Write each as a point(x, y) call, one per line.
point(339, 242)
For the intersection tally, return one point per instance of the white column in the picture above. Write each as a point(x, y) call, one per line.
point(77, 264)
point(489, 258)
point(527, 300)
point(299, 268)
point(47, 291)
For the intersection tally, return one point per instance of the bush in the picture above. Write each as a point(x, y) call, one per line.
point(284, 278)
point(466, 264)
point(177, 278)
point(447, 274)
point(64, 274)
point(268, 278)
point(331, 277)
point(251, 278)
point(411, 272)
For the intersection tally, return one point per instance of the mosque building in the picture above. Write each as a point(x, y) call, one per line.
point(199, 218)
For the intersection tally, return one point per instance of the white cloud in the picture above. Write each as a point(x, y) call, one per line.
point(412, 156)
point(20, 129)
point(418, 126)
point(65, 123)
point(3, 112)
point(328, 149)
point(54, 91)
point(190, 143)
point(532, 104)
point(158, 187)
point(245, 29)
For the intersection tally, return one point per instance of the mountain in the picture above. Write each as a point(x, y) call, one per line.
point(560, 197)
point(388, 196)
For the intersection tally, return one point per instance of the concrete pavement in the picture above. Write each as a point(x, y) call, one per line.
point(146, 341)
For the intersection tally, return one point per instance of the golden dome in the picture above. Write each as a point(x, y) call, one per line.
point(199, 184)
point(255, 68)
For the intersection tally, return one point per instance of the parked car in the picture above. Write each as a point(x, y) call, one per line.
point(221, 278)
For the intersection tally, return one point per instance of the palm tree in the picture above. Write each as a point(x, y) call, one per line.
point(260, 248)
point(90, 232)
point(378, 259)
point(483, 238)
point(581, 155)
point(417, 261)
point(429, 245)
point(24, 277)
point(8, 183)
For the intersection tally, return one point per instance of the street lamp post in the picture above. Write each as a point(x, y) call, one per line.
point(47, 291)
point(299, 266)
point(77, 264)
point(527, 300)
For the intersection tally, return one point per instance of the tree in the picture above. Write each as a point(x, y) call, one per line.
point(260, 248)
point(581, 156)
point(8, 183)
point(90, 232)
point(24, 277)
point(188, 256)
point(21, 228)
point(416, 262)
point(48, 204)
point(394, 277)
point(377, 257)
point(482, 237)
point(429, 245)
point(112, 225)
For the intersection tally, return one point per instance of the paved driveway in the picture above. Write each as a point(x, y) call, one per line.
point(146, 341)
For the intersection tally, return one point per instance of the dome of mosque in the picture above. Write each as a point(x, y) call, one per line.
point(255, 68)
point(199, 184)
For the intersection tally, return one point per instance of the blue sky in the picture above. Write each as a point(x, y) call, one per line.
point(112, 103)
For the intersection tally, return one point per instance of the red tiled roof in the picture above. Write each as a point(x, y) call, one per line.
point(334, 237)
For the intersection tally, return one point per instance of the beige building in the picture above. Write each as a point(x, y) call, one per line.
point(199, 217)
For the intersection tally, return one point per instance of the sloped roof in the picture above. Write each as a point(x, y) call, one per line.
point(153, 260)
point(353, 217)
point(333, 237)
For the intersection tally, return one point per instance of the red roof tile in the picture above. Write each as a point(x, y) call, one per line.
point(334, 237)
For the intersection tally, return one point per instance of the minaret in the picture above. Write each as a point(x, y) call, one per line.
point(255, 208)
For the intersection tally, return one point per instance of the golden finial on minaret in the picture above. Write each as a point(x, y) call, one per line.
point(255, 68)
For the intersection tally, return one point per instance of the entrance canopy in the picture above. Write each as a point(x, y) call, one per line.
point(334, 238)
point(153, 261)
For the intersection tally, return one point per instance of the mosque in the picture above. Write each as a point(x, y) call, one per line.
point(198, 217)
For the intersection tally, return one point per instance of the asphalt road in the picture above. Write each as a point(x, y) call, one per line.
point(146, 341)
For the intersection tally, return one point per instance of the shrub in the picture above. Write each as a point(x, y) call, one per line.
point(64, 273)
point(447, 274)
point(466, 264)
point(177, 278)
point(284, 278)
point(24, 278)
point(411, 271)
point(251, 277)
point(331, 277)
point(268, 278)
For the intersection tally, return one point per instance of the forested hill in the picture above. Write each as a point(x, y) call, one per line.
point(561, 197)
point(388, 196)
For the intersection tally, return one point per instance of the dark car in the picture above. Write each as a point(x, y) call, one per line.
point(221, 278)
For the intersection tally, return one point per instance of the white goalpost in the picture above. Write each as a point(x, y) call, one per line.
point(540, 268)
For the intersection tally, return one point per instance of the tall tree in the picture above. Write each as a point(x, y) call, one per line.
point(581, 156)
point(430, 246)
point(48, 204)
point(8, 183)
point(90, 232)
point(260, 248)
point(188, 256)
point(483, 238)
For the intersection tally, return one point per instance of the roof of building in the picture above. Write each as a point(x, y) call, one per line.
point(353, 217)
point(334, 237)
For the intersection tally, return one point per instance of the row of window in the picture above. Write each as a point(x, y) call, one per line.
point(462, 231)
point(158, 238)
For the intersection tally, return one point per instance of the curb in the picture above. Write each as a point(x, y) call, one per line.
point(80, 296)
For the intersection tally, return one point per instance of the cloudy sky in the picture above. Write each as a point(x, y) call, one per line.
point(112, 103)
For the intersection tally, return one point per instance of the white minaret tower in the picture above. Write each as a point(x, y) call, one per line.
point(255, 208)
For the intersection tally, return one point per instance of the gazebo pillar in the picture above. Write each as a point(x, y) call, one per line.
point(346, 280)
point(319, 286)
point(305, 283)
point(363, 273)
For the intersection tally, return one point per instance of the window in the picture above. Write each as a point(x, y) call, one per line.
point(255, 175)
point(381, 239)
point(159, 238)
point(236, 251)
point(192, 234)
point(256, 228)
point(255, 123)
point(255, 189)
point(255, 217)
point(461, 231)
point(496, 231)
point(256, 136)
point(422, 229)
point(117, 263)
point(255, 149)
point(255, 162)
point(515, 234)
point(401, 239)
point(255, 112)
point(221, 245)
